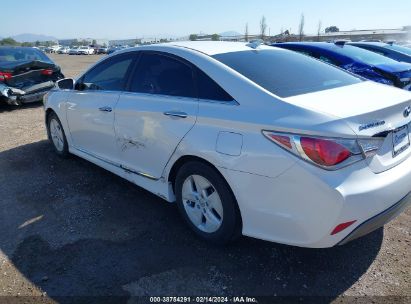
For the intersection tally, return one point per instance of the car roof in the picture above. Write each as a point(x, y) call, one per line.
point(380, 44)
point(206, 47)
point(321, 45)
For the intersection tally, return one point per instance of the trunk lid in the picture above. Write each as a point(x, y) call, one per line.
point(369, 109)
point(27, 73)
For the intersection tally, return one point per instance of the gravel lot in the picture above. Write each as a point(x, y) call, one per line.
point(69, 228)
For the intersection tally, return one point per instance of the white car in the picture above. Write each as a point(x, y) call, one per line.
point(85, 50)
point(63, 50)
point(245, 138)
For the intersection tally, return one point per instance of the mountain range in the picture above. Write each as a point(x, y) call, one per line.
point(27, 37)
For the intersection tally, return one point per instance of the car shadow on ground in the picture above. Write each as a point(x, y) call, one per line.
point(4, 107)
point(72, 228)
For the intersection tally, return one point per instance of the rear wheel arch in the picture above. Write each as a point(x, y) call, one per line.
point(232, 225)
point(191, 158)
point(183, 160)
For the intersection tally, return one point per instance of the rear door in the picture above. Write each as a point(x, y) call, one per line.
point(154, 116)
point(90, 108)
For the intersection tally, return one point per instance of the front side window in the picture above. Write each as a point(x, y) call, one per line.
point(163, 75)
point(109, 75)
point(286, 73)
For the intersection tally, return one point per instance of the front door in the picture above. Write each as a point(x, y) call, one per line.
point(155, 115)
point(90, 108)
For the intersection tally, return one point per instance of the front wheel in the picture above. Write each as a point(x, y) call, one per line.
point(207, 204)
point(56, 135)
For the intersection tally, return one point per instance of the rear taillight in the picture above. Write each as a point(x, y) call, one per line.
point(5, 76)
point(328, 153)
point(324, 152)
point(47, 72)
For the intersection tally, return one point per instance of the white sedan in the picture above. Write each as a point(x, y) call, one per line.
point(85, 50)
point(246, 139)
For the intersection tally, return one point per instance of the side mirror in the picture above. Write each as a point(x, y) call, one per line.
point(65, 84)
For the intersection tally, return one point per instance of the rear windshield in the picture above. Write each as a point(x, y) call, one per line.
point(22, 54)
point(286, 73)
point(365, 56)
point(398, 48)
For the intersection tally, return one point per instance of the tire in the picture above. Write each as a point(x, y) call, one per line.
point(57, 136)
point(214, 222)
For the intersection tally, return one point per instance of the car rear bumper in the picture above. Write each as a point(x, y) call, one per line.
point(378, 220)
point(30, 94)
point(304, 204)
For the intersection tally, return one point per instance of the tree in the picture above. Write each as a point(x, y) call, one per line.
point(332, 29)
point(319, 30)
point(8, 41)
point(215, 37)
point(246, 32)
point(301, 27)
point(263, 27)
point(37, 43)
point(193, 37)
point(94, 42)
point(27, 44)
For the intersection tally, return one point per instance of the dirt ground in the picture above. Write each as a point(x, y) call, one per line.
point(69, 228)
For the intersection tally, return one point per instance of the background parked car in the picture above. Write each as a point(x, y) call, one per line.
point(390, 50)
point(85, 50)
point(52, 49)
point(63, 50)
point(116, 48)
point(26, 74)
point(102, 50)
point(356, 60)
point(73, 50)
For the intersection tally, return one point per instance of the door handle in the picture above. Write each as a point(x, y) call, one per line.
point(176, 114)
point(105, 109)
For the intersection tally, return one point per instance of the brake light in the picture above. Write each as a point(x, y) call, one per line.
point(324, 152)
point(47, 72)
point(5, 76)
point(328, 153)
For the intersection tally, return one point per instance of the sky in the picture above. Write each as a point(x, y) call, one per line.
point(120, 19)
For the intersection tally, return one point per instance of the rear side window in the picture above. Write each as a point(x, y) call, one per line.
point(286, 73)
point(163, 75)
point(209, 89)
point(109, 75)
point(327, 59)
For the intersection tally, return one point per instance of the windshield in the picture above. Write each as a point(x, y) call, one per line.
point(22, 54)
point(399, 48)
point(365, 56)
point(84, 48)
point(286, 73)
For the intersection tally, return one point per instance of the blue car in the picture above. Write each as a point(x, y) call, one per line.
point(390, 50)
point(356, 60)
